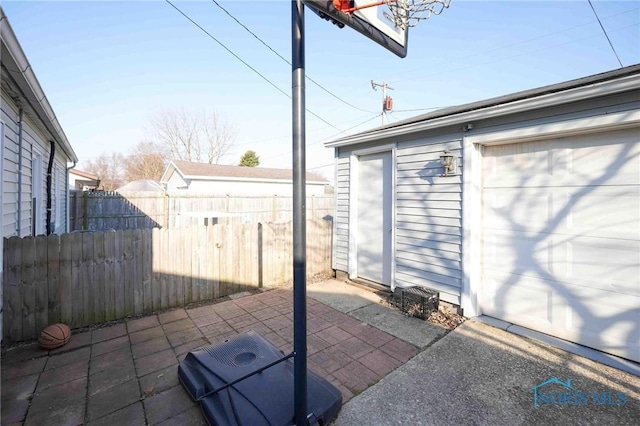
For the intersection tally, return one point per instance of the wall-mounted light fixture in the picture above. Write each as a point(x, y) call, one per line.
point(448, 162)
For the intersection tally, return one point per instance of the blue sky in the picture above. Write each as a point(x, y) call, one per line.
point(106, 67)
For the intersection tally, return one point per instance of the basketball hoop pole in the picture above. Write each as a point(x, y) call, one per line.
point(299, 215)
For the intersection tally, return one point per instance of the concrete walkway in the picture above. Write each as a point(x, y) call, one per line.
point(479, 375)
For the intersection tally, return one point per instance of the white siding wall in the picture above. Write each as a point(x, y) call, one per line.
point(429, 218)
point(32, 143)
point(30, 138)
point(175, 182)
point(9, 115)
point(341, 219)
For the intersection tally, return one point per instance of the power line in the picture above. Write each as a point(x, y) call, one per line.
point(466, 58)
point(309, 130)
point(286, 60)
point(320, 167)
point(245, 63)
point(605, 34)
point(515, 56)
point(329, 137)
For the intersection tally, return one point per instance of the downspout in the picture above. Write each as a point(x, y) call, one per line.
point(67, 208)
point(49, 185)
point(19, 209)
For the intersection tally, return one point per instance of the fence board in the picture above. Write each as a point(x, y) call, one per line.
point(77, 290)
point(164, 268)
point(53, 278)
point(179, 275)
point(41, 285)
point(145, 272)
point(129, 271)
point(118, 276)
point(196, 254)
point(98, 279)
point(138, 255)
point(87, 278)
point(66, 279)
point(110, 280)
point(156, 278)
point(28, 248)
point(211, 265)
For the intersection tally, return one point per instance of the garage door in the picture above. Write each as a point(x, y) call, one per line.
point(561, 238)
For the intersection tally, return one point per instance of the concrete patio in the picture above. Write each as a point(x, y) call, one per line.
point(127, 373)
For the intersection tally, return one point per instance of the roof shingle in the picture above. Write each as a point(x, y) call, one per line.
point(190, 170)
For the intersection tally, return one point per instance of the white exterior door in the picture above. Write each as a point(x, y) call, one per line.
point(374, 221)
point(561, 238)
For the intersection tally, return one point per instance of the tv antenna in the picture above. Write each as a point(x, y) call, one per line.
point(387, 101)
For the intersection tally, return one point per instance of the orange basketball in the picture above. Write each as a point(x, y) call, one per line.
point(54, 336)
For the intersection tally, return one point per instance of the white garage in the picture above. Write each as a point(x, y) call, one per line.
point(535, 221)
point(561, 238)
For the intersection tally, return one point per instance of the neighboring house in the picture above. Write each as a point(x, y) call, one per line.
point(83, 181)
point(34, 151)
point(539, 223)
point(235, 180)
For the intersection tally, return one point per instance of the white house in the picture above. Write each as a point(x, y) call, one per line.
point(35, 150)
point(537, 223)
point(235, 180)
point(83, 181)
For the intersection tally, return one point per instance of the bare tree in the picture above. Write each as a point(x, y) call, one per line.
point(193, 136)
point(147, 160)
point(219, 136)
point(109, 168)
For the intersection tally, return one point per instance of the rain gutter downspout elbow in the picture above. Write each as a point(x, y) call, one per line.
point(52, 155)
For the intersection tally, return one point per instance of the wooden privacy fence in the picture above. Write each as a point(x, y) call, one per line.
point(96, 211)
point(88, 278)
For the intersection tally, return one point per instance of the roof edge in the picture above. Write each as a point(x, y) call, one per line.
point(43, 108)
point(610, 82)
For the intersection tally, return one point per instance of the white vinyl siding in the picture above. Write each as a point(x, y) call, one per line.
point(9, 115)
point(428, 218)
point(341, 219)
point(32, 141)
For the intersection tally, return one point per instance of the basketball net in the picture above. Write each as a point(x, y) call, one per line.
point(408, 13)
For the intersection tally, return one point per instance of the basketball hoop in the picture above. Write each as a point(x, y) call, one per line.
point(408, 13)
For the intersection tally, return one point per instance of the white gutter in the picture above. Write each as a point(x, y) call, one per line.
point(623, 84)
point(38, 99)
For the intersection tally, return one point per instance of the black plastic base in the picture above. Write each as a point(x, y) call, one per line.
point(265, 398)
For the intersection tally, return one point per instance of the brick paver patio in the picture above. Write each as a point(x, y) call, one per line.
point(126, 374)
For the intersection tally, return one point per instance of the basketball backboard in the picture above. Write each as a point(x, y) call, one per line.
point(368, 19)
